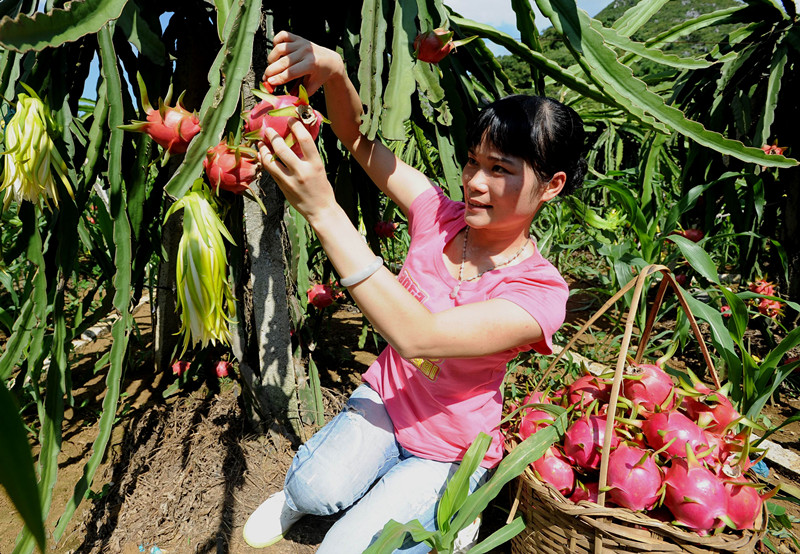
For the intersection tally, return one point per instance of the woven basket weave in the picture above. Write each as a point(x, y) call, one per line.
point(556, 525)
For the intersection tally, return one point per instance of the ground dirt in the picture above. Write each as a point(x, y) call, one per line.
point(184, 473)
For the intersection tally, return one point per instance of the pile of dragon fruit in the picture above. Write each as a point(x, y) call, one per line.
point(675, 452)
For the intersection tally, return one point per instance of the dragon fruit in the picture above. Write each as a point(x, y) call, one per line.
point(583, 441)
point(744, 502)
point(532, 421)
point(585, 491)
point(695, 495)
point(588, 388)
point(275, 112)
point(434, 46)
point(713, 412)
point(231, 168)
point(555, 469)
point(172, 128)
point(634, 477)
point(647, 385)
point(662, 427)
point(321, 296)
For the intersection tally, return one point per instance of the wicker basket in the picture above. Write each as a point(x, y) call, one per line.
point(557, 525)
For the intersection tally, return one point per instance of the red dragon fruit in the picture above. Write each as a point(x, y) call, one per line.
point(322, 296)
point(276, 111)
point(634, 478)
point(647, 385)
point(555, 469)
point(762, 286)
point(172, 128)
point(583, 441)
point(744, 502)
point(662, 427)
point(694, 235)
point(695, 495)
point(532, 421)
point(588, 388)
point(585, 491)
point(231, 168)
point(713, 412)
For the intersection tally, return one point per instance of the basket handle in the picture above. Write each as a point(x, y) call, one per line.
point(647, 271)
point(639, 282)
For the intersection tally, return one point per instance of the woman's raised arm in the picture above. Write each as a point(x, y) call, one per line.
point(294, 57)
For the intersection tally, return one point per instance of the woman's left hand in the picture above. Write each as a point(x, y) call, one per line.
point(302, 180)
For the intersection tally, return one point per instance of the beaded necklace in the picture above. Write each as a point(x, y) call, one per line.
point(454, 292)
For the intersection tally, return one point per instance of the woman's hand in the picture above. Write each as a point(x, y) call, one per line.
point(302, 180)
point(293, 57)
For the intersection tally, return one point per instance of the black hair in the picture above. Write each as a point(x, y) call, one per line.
point(542, 131)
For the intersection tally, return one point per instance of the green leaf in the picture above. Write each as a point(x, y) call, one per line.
point(139, 33)
point(61, 25)
point(401, 86)
point(499, 537)
point(221, 102)
point(316, 390)
point(601, 64)
point(223, 11)
point(537, 59)
point(393, 535)
point(636, 16)
point(697, 257)
point(16, 467)
point(670, 60)
point(370, 69)
point(777, 66)
point(458, 487)
point(528, 451)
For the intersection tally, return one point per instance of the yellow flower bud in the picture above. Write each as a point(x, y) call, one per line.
point(30, 156)
point(205, 298)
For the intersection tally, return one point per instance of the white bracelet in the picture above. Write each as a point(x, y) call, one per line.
point(362, 274)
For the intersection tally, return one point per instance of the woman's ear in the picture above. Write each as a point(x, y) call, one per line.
point(553, 187)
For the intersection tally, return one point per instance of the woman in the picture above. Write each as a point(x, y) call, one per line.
point(474, 291)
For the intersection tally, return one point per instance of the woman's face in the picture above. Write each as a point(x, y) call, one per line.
point(500, 191)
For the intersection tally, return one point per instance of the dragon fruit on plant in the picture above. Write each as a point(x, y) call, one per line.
point(275, 112)
point(231, 168)
point(171, 127)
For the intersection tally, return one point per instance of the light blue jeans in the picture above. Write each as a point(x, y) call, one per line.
point(355, 464)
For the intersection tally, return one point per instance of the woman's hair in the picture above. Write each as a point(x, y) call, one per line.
point(542, 131)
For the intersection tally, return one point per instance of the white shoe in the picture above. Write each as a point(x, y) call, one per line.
point(467, 537)
point(270, 522)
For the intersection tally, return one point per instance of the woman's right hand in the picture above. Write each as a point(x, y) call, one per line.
point(293, 57)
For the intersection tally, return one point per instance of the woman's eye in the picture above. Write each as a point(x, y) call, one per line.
point(499, 169)
point(472, 161)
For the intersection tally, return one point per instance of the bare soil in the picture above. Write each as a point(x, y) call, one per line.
point(184, 473)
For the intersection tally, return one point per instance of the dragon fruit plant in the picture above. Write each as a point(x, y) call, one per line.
point(677, 449)
point(30, 158)
point(171, 127)
point(205, 298)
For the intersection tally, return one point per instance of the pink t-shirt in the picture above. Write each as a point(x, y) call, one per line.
point(439, 406)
